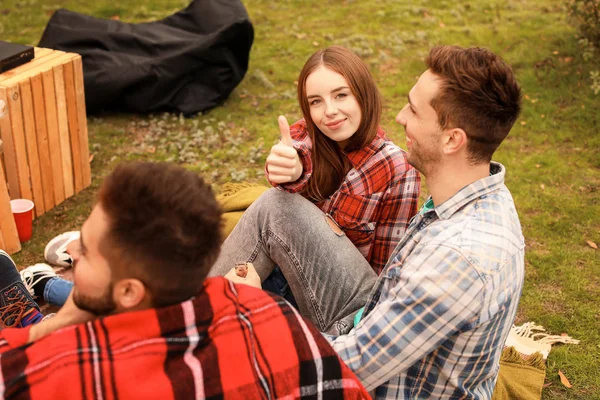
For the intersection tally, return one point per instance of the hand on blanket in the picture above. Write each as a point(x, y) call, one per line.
point(246, 276)
point(283, 163)
point(68, 315)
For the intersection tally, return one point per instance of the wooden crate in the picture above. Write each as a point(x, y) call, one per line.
point(45, 130)
point(9, 238)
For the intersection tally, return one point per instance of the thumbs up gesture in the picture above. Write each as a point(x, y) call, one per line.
point(283, 163)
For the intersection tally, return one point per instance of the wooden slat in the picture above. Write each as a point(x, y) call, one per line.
point(53, 137)
point(32, 147)
point(82, 122)
point(19, 146)
point(71, 98)
point(63, 130)
point(8, 230)
point(30, 69)
point(37, 90)
point(10, 158)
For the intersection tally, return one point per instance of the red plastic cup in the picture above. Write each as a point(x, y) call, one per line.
point(22, 210)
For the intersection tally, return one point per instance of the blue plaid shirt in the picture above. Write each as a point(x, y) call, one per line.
point(439, 313)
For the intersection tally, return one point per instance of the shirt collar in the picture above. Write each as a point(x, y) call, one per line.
point(360, 156)
point(474, 190)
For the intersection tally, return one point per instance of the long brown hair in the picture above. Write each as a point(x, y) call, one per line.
point(330, 165)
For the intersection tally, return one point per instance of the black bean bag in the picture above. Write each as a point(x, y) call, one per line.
point(187, 62)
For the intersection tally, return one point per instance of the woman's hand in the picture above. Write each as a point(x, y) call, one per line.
point(283, 163)
point(246, 276)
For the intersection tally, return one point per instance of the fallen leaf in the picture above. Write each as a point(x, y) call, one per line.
point(91, 158)
point(243, 96)
point(547, 384)
point(555, 52)
point(537, 165)
point(151, 149)
point(527, 97)
point(301, 36)
point(115, 18)
point(543, 115)
point(564, 380)
point(442, 25)
point(543, 186)
point(568, 59)
point(592, 244)
point(315, 44)
point(523, 123)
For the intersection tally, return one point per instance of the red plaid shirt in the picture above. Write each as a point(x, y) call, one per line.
point(229, 342)
point(377, 198)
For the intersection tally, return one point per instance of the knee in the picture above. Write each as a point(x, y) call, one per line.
point(274, 199)
point(278, 203)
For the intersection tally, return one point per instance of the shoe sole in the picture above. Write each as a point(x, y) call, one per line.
point(56, 239)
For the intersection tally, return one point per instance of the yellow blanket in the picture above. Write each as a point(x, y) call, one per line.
point(235, 198)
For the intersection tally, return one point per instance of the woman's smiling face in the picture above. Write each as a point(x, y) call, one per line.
point(333, 107)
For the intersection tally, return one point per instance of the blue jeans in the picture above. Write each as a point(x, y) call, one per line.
point(57, 291)
point(329, 277)
point(276, 283)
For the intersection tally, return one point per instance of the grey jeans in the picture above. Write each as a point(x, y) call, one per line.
point(328, 276)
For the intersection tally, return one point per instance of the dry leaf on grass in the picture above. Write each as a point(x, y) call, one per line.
point(564, 380)
point(591, 244)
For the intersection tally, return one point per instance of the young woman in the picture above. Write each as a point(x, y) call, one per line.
point(354, 191)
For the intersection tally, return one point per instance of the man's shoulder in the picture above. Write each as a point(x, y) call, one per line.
point(486, 230)
point(232, 304)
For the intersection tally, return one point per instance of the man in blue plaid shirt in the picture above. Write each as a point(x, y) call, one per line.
point(439, 314)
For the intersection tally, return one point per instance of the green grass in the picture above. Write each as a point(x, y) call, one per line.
point(551, 154)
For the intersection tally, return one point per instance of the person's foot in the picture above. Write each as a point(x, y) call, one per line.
point(17, 308)
point(33, 277)
point(56, 249)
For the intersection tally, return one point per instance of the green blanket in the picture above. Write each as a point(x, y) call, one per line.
point(520, 378)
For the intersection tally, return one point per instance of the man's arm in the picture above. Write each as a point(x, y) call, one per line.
point(433, 294)
point(68, 315)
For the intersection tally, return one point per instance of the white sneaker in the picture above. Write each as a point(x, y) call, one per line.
point(55, 252)
point(35, 273)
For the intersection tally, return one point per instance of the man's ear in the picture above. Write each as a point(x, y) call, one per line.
point(130, 294)
point(455, 140)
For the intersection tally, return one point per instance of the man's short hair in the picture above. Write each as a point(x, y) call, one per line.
point(164, 228)
point(479, 94)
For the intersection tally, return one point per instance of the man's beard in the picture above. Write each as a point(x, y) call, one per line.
point(424, 160)
point(100, 306)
